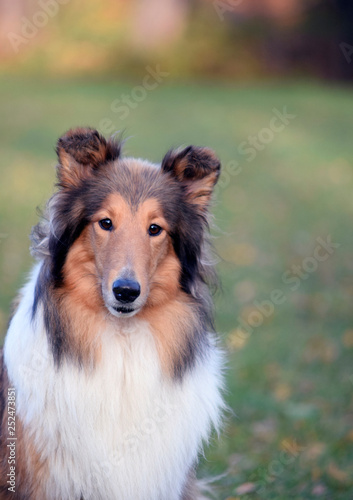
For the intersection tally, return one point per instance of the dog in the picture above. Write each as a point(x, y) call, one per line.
point(111, 371)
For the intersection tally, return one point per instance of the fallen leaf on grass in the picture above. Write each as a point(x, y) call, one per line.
point(314, 451)
point(347, 338)
point(282, 391)
point(336, 473)
point(245, 488)
point(320, 349)
point(290, 446)
point(319, 490)
point(350, 435)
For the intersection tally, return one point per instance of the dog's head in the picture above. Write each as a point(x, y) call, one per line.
point(125, 233)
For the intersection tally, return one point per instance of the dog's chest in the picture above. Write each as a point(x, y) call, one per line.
point(122, 431)
point(136, 433)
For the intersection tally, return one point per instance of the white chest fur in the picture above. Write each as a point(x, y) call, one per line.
point(123, 431)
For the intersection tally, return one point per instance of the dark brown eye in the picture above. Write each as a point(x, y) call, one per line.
point(106, 224)
point(154, 230)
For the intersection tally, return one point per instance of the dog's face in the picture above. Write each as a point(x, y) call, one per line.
point(131, 247)
point(127, 233)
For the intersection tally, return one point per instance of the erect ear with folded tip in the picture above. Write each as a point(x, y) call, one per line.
point(197, 169)
point(82, 151)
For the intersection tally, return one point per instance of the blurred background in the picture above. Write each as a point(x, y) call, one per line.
point(268, 85)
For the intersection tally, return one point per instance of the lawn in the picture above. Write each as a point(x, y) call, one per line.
point(283, 234)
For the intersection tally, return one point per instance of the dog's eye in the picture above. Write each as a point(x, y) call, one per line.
point(106, 224)
point(154, 230)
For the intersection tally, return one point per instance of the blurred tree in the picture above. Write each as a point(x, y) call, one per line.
point(156, 23)
point(345, 37)
point(323, 41)
point(213, 38)
point(11, 12)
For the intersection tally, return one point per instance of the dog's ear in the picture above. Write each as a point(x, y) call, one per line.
point(80, 152)
point(197, 169)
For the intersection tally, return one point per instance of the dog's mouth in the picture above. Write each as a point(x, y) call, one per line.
point(120, 311)
point(124, 309)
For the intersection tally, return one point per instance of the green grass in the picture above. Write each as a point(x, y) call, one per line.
point(290, 380)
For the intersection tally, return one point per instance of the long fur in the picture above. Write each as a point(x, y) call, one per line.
point(114, 404)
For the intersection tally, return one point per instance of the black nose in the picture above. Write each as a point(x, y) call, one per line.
point(126, 291)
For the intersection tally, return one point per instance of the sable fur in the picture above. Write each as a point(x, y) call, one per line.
point(168, 346)
point(71, 208)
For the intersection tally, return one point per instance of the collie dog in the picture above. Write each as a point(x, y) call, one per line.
point(111, 373)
